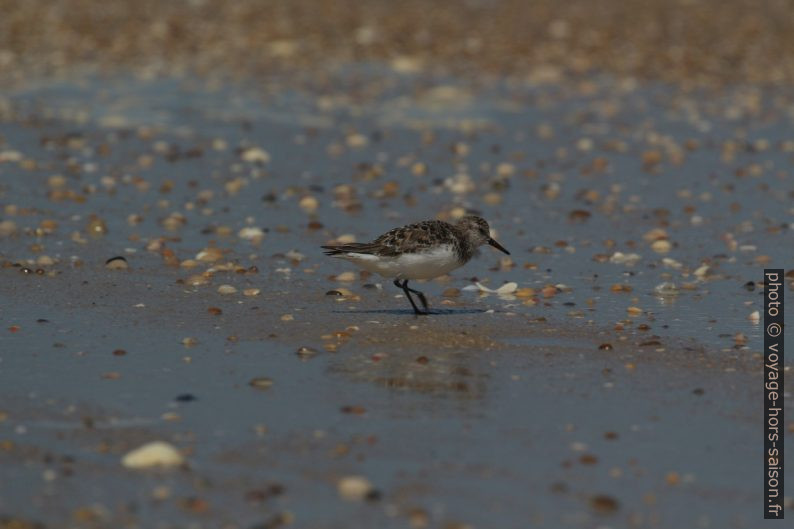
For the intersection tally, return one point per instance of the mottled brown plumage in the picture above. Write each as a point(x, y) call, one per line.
point(413, 238)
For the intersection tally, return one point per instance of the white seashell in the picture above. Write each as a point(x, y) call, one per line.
point(251, 233)
point(154, 454)
point(507, 288)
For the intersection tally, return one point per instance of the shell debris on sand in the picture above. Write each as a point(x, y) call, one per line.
point(117, 263)
point(354, 488)
point(261, 383)
point(627, 259)
point(504, 290)
point(153, 454)
point(309, 204)
point(226, 289)
point(252, 233)
point(255, 155)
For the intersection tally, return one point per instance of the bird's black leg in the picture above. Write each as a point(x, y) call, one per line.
point(419, 294)
point(408, 294)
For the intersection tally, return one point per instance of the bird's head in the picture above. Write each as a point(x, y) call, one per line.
point(478, 232)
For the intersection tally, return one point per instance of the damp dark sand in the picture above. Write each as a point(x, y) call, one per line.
point(616, 385)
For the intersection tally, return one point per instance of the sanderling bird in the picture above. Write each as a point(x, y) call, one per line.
point(419, 251)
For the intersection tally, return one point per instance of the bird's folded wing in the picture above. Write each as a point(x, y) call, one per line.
point(414, 238)
point(356, 247)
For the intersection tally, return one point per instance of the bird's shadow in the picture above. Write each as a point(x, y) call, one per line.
point(409, 312)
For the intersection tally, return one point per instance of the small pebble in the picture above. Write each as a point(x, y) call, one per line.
point(226, 289)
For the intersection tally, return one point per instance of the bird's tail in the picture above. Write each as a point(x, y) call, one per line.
point(341, 249)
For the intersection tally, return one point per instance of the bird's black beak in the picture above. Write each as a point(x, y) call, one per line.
point(498, 246)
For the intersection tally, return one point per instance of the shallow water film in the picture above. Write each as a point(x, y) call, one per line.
point(177, 351)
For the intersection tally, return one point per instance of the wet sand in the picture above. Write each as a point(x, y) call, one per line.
point(617, 384)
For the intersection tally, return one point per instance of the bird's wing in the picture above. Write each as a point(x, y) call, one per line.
point(413, 238)
point(356, 247)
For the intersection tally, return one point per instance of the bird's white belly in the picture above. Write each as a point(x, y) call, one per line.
point(425, 265)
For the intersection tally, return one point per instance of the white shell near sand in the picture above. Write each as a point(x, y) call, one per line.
point(507, 288)
point(154, 454)
point(354, 488)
